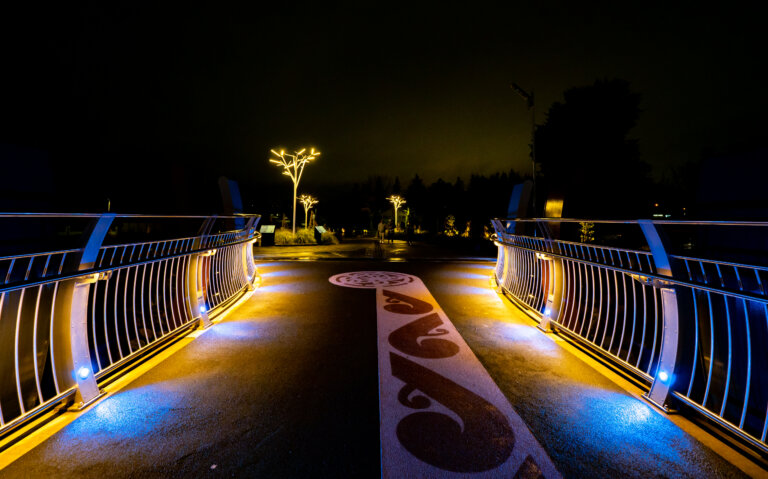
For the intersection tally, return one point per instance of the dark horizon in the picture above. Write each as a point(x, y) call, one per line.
point(106, 101)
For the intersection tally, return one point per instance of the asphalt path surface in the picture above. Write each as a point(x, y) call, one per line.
point(287, 386)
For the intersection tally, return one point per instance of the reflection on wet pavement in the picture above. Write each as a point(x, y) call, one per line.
point(365, 249)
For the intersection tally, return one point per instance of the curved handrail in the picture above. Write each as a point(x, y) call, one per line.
point(72, 317)
point(124, 215)
point(696, 332)
point(637, 222)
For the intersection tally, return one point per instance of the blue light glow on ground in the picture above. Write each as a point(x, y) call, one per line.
point(470, 290)
point(282, 272)
point(128, 415)
point(527, 336)
point(288, 288)
point(239, 330)
point(618, 424)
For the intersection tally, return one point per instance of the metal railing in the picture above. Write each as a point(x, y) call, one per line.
point(70, 318)
point(689, 328)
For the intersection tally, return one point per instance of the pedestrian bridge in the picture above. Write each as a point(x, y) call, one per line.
point(162, 346)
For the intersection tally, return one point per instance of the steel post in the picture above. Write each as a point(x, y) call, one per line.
point(664, 376)
point(78, 357)
point(556, 280)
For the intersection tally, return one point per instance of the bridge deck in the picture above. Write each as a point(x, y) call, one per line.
point(286, 386)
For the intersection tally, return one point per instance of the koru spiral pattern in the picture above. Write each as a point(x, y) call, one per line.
point(371, 279)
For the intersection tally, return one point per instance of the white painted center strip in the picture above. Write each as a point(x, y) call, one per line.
point(441, 413)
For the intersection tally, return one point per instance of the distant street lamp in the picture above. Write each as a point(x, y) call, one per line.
point(397, 202)
point(293, 166)
point(308, 201)
point(529, 100)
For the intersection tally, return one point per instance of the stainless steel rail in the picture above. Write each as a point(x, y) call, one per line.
point(70, 318)
point(693, 329)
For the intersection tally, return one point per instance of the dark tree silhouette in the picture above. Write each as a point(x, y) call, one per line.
point(416, 195)
point(360, 205)
point(586, 155)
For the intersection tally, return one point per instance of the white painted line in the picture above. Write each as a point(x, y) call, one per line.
point(441, 413)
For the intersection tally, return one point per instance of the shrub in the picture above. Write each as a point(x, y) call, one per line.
point(305, 236)
point(284, 236)
point(328, 238)
point(587, 232)
point(450, 226)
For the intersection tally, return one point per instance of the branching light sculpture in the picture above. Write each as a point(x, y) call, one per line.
point(397, 202)
point(308, 201)
point(293, 167)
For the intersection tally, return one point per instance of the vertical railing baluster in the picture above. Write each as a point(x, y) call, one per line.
point(159, 312)
point(149, 308)
point(150, 301)
point(730, 343)
point(570, 299)
point(642, 338)
point(608, 284)
point(587, 291)
point(210, 284)
point(175, 309)
point(634, 318)
point(17, 368)
point(578, 288)
point(10, 270)
point(749, 365)
point(163, 286)
point(133, 308)
point(125, 307)
point(711, 349)
point(106, 327)
point(624, 310)
point(168, 293)
point(51, 330)
point(515, 284)
point(223, 274)
point(655, 329)
point(34, 338)
point(599, 305)
point(2, 301)
point(616, 308)
point(114, 314)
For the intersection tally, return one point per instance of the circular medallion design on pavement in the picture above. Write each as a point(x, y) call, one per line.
point(371, 279)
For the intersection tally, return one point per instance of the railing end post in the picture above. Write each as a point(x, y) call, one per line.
point(551, 308)
point(205, 321)
point(545, 325)
point(80, 360)
point(254, 281)
point(665, 372)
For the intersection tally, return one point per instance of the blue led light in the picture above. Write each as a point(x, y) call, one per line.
point(203, 308)
point(83, 372)
point(663, 376)
point(547, 311)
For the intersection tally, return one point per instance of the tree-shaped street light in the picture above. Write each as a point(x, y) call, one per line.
point(308, 201)
point(397, 202)
point(293, 167)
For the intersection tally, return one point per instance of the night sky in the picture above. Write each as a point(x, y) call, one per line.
point(157, 102)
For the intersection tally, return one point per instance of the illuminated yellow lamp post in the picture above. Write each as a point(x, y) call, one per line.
point(397, 202)
point(293, 166)
point(308, 201)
